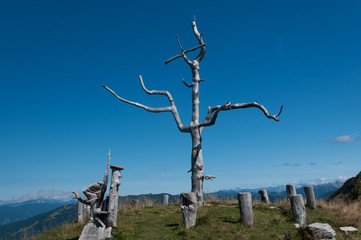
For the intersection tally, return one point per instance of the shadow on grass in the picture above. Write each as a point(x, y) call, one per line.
point(172, 225)
point(232, 221)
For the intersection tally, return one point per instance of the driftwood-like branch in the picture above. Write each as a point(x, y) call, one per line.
point(172, 108)
point(209, 177)
point(201, 43)
point(183, 53)
point(187, 84)
point(212, 114)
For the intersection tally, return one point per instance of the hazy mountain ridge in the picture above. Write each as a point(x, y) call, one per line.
point(68, 213)
point(39, 196)
point(40, 223)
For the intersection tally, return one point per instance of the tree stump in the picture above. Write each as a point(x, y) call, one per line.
point(189, 207)
point(310, 197)
point(245, 208)
point(291, 191)
point(264, 196)
point(298, 209)
point(165, 199)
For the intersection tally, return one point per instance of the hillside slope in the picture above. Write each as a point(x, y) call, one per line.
point(40, 223)
point(350, 191)
point(219, 220)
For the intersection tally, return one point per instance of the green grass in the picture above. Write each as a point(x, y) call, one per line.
point(214, 221)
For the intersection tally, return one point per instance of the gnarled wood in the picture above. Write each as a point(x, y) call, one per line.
point(189, 208)
point(113, 196)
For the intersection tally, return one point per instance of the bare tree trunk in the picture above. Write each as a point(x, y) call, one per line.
point(264, 196)
point(310, 197)
point(197, 166)
point(290, 191)
point(298, 209)
point(189, 207)
point(245, 208)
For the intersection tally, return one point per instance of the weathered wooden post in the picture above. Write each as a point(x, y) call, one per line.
point(290, 190)
point(264, 196)
point(113, 196)
point(298, 209)
point(245, 208)
point(310, 197)
point(83, 212)
point(189, 207)
point(165, 199)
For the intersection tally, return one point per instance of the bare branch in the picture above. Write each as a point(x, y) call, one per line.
point(180, 46)
point(185, 83)
point(200, 40)
point(171, 108)
point(212, 114)
point(149, 109)
point(183, 53)
point(209, 177)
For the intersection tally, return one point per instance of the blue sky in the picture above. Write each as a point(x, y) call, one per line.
point(57, 122)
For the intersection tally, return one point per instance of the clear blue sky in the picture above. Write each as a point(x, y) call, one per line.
point(57, 122)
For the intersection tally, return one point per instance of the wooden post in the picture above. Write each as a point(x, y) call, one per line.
point(298, 209)
point(165, 199)
point(291, 191)
point(189, 207)
point(264, 196)
point(310, 197)
point(113, 197)
point(245, 208)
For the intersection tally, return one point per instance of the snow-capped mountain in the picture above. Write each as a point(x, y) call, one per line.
point(40, 196)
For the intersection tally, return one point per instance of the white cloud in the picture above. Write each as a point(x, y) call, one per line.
point(344, 139)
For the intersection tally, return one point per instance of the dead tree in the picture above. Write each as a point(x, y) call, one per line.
point(195, 128)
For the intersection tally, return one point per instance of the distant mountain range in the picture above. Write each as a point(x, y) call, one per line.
point(29, 205)
point(47, 219)
point(40, 196)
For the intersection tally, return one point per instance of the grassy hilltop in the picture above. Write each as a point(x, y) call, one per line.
point(220, 220)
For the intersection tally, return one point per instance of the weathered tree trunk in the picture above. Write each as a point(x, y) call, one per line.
point(291, 191)
point(113, 197)
point(195, 128)
point(310, 197)
point(264, 196)
point(189, 207)
point(245, 208)
point(298, 209)
point(83, 212)
point(197, 166)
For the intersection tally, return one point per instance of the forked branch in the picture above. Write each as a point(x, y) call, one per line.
point(171, 108)
point(212, 114)
point(202, 46)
